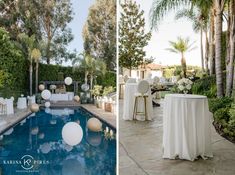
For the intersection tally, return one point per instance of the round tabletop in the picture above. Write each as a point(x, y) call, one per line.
point(188, 96)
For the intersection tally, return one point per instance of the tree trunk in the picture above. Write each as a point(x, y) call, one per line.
point(212, 43)
point(31, 78)
point(86, 77)
point(206, 53)
point(227, 59)
point(48, 52)
point(184, 66)
point(91, 81)
point(218, 49)
point(232, 38)
point(36, 78)
point(130, 71)
point(202, 54)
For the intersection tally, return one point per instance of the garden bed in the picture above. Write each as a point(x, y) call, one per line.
point(219, 130)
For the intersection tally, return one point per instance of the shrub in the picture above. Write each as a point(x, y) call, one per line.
point(217, 103)
point(109, 79)
point(205, 86)
point(96, 91)
point(107, 90)
point(221, 116)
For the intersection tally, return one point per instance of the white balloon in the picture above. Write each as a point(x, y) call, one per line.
point(41, 87)
point(46, 94)
point(72, 133)
point(47, 104)
point(68, 81)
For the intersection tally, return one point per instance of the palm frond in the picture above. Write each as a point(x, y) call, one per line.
point(160, 8)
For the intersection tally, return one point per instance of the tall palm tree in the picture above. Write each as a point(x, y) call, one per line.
point(231, 76)
point(36, 55)
point(181, 46)
point(90, 66)
point(28, 43)
point(219, 6)
point(200, 24)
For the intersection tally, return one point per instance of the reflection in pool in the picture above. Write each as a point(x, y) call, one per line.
point(35, 146)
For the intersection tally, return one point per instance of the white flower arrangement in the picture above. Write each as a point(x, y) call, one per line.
point(184, 85)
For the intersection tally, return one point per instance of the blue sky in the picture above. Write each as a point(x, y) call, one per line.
point(80, 9)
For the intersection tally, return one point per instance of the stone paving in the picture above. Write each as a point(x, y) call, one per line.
point(140, 151)
point(7, 121)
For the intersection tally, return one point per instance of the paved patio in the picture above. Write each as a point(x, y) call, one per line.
point(140, 151)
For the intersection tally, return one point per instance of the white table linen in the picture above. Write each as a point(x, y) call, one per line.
point(186, 127)
point(59, 97)
point(31, 100)
point(10, 108)
point(22, 103)
point(129, 99)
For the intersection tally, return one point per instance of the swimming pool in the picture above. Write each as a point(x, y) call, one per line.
point(35, 146)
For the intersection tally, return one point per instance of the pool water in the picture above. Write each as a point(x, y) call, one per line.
point(35, 146)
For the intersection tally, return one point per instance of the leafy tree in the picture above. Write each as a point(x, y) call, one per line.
point(181, 46)
point(90, 66)
point(132, 36)
point(99, 32)
point(45, 19)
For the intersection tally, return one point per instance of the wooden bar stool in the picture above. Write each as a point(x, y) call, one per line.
point(142, 88)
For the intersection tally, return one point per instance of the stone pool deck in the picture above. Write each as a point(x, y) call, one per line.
point(140, 151)
point(7, 121)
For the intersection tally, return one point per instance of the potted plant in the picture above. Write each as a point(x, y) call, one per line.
point(96, 92)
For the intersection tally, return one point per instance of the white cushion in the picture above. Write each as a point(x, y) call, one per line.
point(143, 86)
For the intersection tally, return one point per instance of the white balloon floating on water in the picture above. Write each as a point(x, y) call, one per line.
point(72, 133)
point(94, 124)
point(46, 94)
point(41, 87)
point(47, 104)
point(68, 81)
point(34, 107)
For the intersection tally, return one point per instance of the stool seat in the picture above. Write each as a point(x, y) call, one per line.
point(141, 95)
